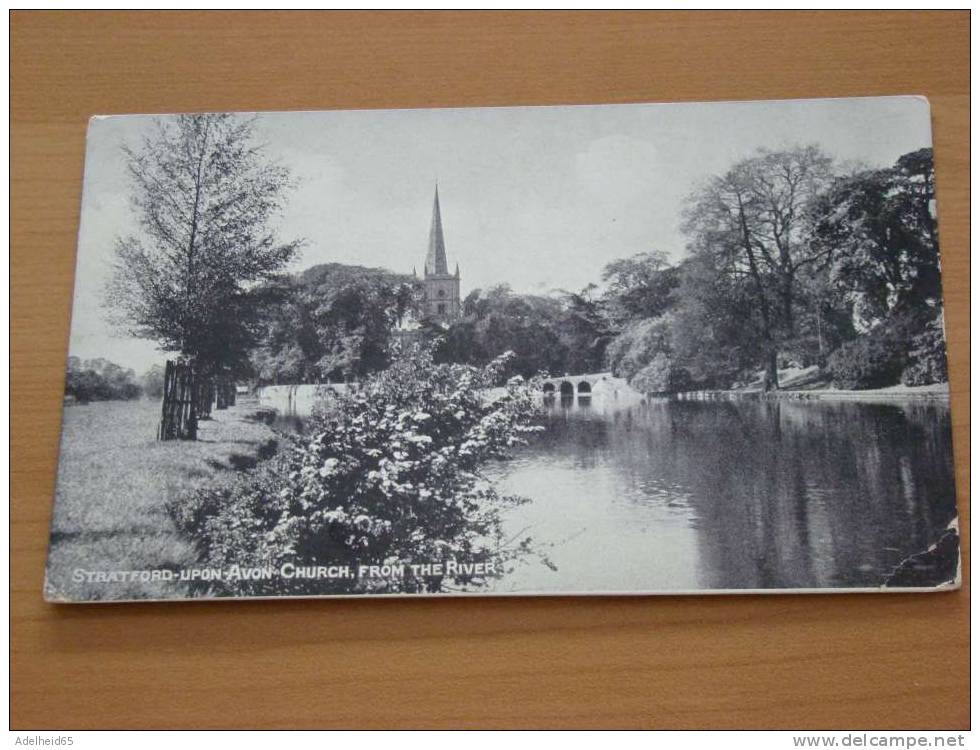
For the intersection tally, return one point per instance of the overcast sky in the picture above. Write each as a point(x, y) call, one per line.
point(540, 198)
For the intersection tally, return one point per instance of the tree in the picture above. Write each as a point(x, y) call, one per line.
point(585, 330)
point(332, 321)
point(715, 333)
point(878, 228)
point(638, 345)
point(497, 320)
point(205, 199)
point(152, 382)
point(100, 380)
point(639, 286)
point(752, 221)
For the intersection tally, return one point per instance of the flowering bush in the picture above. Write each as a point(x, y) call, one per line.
point(388, 474)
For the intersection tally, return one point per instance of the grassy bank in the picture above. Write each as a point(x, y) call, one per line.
point(115, 479)
point(811, 383)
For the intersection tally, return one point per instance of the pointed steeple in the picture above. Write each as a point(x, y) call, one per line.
point(435, 260)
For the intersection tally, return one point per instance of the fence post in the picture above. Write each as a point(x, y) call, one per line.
point(221, 392)
point(178, 419)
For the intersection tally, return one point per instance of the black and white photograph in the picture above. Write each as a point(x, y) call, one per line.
point(555, 350)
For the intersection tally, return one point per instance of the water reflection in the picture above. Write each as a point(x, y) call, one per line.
point(681, 495)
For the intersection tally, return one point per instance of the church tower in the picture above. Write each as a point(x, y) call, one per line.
point(441, 302)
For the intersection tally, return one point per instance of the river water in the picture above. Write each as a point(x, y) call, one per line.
point(633, 495)
point(690, 495)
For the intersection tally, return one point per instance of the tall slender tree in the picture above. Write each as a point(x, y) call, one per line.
point(205, 198)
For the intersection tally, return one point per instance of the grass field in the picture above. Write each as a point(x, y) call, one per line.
point(114, 481)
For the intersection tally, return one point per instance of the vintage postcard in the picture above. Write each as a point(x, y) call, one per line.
point(641, 349)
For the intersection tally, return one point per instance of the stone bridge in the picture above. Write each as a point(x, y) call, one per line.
point(568, 386)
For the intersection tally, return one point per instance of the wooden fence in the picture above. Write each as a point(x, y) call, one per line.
point(189, 398)
point(180, 402)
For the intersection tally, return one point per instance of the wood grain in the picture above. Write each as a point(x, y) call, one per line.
point(897, 661)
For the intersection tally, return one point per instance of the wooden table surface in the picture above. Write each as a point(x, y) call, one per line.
point(884, 661)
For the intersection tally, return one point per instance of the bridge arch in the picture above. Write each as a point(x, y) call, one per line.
point(585, 387)
point(549, 388)
point(567, 389)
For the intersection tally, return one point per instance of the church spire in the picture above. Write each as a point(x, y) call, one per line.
point(435, 260)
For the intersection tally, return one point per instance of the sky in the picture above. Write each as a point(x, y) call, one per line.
point(540, 198)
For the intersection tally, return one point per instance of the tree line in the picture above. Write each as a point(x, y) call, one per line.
point(791, 261)
point(101, 380)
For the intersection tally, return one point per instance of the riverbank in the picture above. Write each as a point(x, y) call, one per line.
point(810, 384)
point(897, 393)
point(115, 480)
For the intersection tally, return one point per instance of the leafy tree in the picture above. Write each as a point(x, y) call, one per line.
point(661, 375)
point(927, 357)
point(585, 329)
point(640, 344)
point(152, 382)
point(100, 380)
point(868, 362)
point(332, 321)
point(205, 199)
point(878, 227)
point(752, 223)
point(824, 319)
point(639, 286)
point(497, 320)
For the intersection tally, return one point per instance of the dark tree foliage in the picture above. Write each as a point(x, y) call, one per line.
point(497, 320)
point(100, 380)
point(786, 266)
point(639, 286)
point(205, 199)
point(565, 332)
point(332, 321)
point(868, 362)
point(716, 332)
point(878, 228)
point(586, 330)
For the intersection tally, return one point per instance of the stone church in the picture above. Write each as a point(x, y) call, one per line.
point(441, 302)
point(441, 289)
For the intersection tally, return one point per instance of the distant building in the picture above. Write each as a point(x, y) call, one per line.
point(441, 303)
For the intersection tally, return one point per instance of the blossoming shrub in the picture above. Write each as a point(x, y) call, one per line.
point(387, 474)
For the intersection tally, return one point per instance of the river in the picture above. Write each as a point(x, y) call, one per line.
point(631, 495)
point(691, 495)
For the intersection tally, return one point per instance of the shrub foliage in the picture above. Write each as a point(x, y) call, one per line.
point(390, 473)
point(927, 359)
point(874, 360)
point(100, 380)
